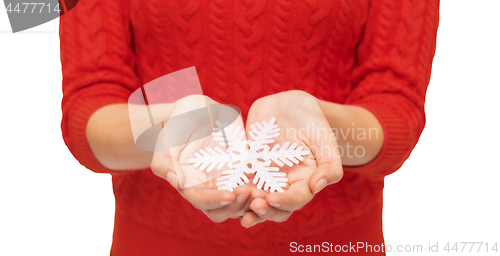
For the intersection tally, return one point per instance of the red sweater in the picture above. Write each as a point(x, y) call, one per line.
point(376, 54)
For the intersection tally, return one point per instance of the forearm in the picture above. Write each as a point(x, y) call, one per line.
point(109, 135)
point(359, 133)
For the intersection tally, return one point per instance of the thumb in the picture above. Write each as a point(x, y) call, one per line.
point(164, 166)
point(329, 167)
point(327, 173)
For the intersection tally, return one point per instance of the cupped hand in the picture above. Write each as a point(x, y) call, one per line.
point(198, 187)
point(301, 121)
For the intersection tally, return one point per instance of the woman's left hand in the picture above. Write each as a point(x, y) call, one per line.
point(301, 121)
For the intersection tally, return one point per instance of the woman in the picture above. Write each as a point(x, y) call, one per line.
point(352, 66)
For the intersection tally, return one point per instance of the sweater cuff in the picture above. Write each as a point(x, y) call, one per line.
point(398, 141)
point(74, 129)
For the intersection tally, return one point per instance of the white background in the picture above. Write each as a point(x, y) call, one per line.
point(447, 191)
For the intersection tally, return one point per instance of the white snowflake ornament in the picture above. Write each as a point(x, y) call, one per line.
point(249, 156)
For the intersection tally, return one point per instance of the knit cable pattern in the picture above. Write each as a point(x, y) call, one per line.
point(376, 54)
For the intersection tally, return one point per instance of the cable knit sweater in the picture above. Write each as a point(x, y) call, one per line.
point(376, 54)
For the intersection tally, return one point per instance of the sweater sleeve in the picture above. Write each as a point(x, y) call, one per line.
point(98, 69)
point(394, 59)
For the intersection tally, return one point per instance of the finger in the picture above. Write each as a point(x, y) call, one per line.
point(242, 193)
point(233, 210)
point(250, 219)
point(258, 193)
point(328, 162)
point(254, 194)
point(164, 166)
point(294, 198)
point(206, 199)
point(267, 212)
point(329, 171)
point(244, 196)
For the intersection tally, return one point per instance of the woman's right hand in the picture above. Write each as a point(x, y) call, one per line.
point(198, 187)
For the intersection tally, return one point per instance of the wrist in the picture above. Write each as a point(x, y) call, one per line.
point(355, 128)
point(334, 113)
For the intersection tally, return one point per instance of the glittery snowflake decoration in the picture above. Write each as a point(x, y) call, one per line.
point(249, 156)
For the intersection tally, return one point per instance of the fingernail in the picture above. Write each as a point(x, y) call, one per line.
point(223, 203)
point(262, 211)
point(320, 185)
point(172, 178)
point(241, 198)
point(275, 205)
